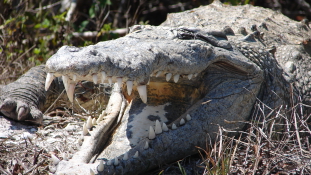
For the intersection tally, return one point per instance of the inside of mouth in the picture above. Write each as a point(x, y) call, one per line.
point(167, 102)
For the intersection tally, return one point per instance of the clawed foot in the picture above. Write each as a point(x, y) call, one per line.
point(20, 111)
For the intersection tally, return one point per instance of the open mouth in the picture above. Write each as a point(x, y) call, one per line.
point(164, 94)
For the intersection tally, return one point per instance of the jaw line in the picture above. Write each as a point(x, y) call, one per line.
point(120, 101)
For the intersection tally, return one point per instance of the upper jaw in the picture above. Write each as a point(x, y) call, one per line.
point(133, 59)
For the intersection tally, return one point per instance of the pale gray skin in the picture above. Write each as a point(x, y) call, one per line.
point(242, 54)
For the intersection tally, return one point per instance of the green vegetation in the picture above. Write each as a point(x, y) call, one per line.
point(30, 32)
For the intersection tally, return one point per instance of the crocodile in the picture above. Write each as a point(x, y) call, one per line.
point(173, 85)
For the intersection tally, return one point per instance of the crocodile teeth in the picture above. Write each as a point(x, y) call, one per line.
point(136, 155)
point(129, 85)
point(89, 123)
point(142, 90)
point(146, 145)
point(95, 78)
point(126, 156)
point(65, 82)
point(151, 133)
point(158, 128)
point(94, 121)
point(70, 87)
point(116, 161)
point(176, 78)
point(159, 73)
point(190, 76)
point(92, 172)
point(182, 121)
point(103, 76)
point(174, 126)
point(195, 75)
point(100, 118)
point(110, 80)
point(80, 141)
point(188, 117)
point(71, 91)
point(100, 166)
point(168, 76)
point(119, 81)
point(48, 80)
point(65, 156)
point(109, 162)
point(164, 127)
point(85, 131)
point(54, 159)
point(74, 77)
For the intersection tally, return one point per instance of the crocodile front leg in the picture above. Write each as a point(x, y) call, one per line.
point(24, 99)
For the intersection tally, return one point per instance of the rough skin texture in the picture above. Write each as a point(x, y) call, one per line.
point(240, 54)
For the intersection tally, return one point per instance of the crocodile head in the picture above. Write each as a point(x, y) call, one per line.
point(189, 80)
point(175, 86)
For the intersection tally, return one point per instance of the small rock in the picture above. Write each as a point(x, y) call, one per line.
point(4, 135)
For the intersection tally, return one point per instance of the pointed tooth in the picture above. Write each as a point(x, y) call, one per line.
point(74, 77)
point(101, 165)
point(126, 156)
point(54, 159)
point(48, 80)
point(164, 127)
point(146, 145)
point(142, 90)
point(89, 123)
point(119, 81)
point(91, 172)
point(100, 118)
point(176, 78)
point(80, 140)
point(182, 121)
point(71, 91)
point(174, 126)
point(129, 85)
point(136, 155)
point(94, 121)
point(66, 82)
point(95, 78)
point(109, 162)
point(103, 76)
point(116, 161)
point(158, 128)
point(151, 133)
point(168, 76)
point(65, 156)
point(85, 131)
point(190, 76)
point(188, 117)
point(195, 75)
point(110, 80)
point(159, 73)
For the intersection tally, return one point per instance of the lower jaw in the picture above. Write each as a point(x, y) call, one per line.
point(166, 103)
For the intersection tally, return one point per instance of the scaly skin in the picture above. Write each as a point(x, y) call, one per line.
point(241, 54)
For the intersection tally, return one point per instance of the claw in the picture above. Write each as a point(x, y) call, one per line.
point(21, 113)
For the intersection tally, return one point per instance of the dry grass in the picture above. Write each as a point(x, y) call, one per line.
point(277, 143)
